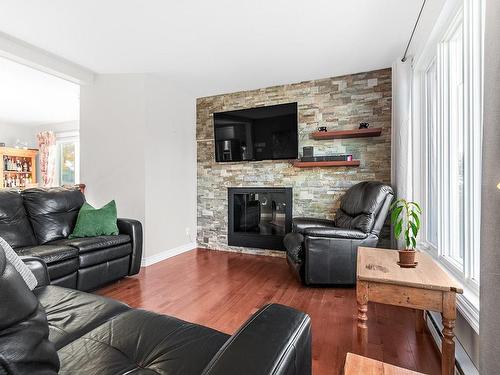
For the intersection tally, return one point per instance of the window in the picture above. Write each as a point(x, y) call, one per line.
point(432, 160)
point(450, 75)
point(68, 158)
point(451, 59)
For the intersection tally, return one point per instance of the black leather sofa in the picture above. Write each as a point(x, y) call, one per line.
point(58, 330)
point(324, 252)
point(37, 222)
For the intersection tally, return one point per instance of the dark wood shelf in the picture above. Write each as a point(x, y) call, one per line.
point(342, 134)
point(310, 164)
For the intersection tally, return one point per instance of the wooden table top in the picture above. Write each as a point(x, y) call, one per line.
point(379, 265)
point(359, 365)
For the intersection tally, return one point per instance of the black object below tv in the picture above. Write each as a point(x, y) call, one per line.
point(262, 133)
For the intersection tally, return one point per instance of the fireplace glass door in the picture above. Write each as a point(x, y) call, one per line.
point(258, 213)
point(262, 213)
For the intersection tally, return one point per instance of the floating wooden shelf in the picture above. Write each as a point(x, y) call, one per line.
point(341, 134)
point(310, 164)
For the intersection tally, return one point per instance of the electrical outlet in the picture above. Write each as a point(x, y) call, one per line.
point(188, 234)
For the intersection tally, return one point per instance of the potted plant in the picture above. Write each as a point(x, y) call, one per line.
point(405, 217)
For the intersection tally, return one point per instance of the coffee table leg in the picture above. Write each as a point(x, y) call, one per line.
point(362, 316)
point(449, 316)
point(362, 329)
point(362, 299)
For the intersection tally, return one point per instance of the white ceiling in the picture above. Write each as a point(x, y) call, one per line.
point(218, 45)
point(29, 97)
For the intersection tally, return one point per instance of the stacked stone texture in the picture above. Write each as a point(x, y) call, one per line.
point(339, 103)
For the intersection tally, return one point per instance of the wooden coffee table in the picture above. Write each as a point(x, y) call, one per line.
point(426, 287)
point(359, 365)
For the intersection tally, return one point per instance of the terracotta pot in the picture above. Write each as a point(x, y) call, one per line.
point(407, 258)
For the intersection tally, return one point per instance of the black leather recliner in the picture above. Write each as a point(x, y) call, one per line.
point(324, 251)
point(37, 222)
point(58, 330)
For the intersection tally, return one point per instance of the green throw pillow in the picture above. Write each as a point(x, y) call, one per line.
point(93, 222)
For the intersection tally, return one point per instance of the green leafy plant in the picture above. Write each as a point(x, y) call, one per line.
point(405, 217)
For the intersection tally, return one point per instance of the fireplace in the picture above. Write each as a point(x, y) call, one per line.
point(259, 217)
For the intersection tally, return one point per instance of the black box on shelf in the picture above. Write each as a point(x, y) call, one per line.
point(328, 158)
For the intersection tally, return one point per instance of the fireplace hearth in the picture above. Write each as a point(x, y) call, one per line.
point(259, 217)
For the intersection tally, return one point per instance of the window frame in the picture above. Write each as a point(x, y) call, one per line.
point(450, 234)
point(467, 272)
point(426, 150)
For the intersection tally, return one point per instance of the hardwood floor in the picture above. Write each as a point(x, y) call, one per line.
point(222, 289)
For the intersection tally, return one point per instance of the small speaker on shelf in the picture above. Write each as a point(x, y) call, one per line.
point(308, 151)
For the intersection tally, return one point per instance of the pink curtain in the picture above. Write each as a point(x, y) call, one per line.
point(47, 154)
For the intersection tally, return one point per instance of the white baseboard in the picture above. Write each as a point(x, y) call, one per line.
point(147, 261)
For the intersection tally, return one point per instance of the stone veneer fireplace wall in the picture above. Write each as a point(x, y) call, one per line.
point(337, 103)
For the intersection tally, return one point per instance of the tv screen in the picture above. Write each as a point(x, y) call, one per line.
point(262, 133)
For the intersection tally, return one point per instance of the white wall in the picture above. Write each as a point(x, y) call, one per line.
point(137, 140)
point(59, 127)
point(170, 166)
point(112, 121)
point(10, 133)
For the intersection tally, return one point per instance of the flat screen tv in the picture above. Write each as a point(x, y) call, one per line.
point(262, 133)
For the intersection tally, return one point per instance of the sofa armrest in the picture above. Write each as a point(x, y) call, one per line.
point(134, 229)
point(39, 269)
point(352, 234)
point(275, 340)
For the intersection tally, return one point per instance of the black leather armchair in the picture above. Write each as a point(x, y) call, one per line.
point(324, 251)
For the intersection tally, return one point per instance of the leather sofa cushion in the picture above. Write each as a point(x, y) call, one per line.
point(90, 278)
point(72, 314)
point(52, 212)
point(360, 205)
point(50, 253)
point(90, 258)
point(63, 268)
point(15, 227)
point(68, 281)
point(94, 243)
point(142, 342)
